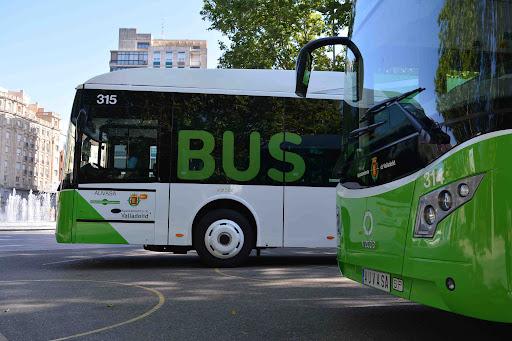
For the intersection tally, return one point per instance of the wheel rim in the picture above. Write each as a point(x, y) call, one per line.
point(224, 239)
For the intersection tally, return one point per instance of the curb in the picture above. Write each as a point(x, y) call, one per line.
point(41, 229)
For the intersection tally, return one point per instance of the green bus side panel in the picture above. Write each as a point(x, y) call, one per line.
point(65, 220)
point(97, 233)
point(472, 246)
point(94, 231)
point(391, 216)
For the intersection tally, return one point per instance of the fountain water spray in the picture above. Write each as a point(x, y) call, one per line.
point(34, 208)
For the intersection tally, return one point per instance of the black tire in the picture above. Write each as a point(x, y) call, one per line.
point(245, 249)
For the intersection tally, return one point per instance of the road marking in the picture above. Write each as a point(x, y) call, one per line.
point(10, 245)
point(161, 301)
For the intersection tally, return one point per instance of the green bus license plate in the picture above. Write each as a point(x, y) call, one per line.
point(376, 279)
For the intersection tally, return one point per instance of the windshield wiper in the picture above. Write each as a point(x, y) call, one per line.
point(390, 101)
point(358, 132)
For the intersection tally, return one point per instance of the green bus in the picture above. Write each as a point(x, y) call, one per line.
point(423, 204)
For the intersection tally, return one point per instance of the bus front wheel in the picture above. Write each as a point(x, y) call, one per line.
point(223, 238)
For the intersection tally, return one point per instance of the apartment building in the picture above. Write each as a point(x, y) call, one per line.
point(29, 145)
point(139, 50)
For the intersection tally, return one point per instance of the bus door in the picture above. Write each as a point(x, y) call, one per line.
point(311, 148)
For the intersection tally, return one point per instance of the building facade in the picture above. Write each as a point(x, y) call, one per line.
point(139, 50)
point(29, 145)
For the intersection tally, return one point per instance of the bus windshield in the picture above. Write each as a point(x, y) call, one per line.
point(116, 143)
point(462, 63)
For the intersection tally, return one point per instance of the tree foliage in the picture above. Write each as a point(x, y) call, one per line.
point(268, 34)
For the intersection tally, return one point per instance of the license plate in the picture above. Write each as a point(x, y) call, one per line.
point(376, 279)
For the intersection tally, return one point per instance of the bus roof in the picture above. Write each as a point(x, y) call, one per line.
point(279, 83)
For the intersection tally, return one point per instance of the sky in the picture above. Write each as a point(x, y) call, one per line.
point(49, 47)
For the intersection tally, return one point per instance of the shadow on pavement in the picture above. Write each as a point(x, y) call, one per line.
point(422, 322)
point(139, 259)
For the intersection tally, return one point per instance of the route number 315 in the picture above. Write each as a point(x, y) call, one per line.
point(106, 99)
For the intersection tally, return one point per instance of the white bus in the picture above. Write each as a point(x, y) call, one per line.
point(217, 161)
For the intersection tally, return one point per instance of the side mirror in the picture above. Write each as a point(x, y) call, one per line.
point(304, 64)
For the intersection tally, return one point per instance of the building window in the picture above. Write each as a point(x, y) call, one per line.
point(156, 59)
point(181, 59)
point(168, 59)
point(195, 60)
point(143, 45)
point(131, 58)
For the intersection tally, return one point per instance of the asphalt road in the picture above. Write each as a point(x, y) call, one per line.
point(50, 291)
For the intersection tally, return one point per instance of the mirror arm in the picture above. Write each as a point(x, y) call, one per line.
point(304, 61)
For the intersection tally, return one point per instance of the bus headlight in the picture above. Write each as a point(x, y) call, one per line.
point(463, 190)
point(438, 204)
point(430, 215)
point(445, 200)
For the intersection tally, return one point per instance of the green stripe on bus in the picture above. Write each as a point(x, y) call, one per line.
point(71, 231)
point(100, 232)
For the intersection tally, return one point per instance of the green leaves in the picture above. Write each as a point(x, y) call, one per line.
point(268, 34)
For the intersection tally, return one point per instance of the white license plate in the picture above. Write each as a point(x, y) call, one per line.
point(376, 279)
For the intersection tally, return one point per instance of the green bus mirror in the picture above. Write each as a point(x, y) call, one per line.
point(304, 64)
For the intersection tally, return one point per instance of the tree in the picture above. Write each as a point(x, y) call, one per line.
point(268, 34)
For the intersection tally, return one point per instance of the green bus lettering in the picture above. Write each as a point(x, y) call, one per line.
point(185, 155)
point(228, 157)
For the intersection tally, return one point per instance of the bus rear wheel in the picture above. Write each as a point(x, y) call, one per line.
point(223, 238)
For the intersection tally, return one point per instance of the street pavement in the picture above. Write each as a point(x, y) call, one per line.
point(51, 291)
point(24, 226)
